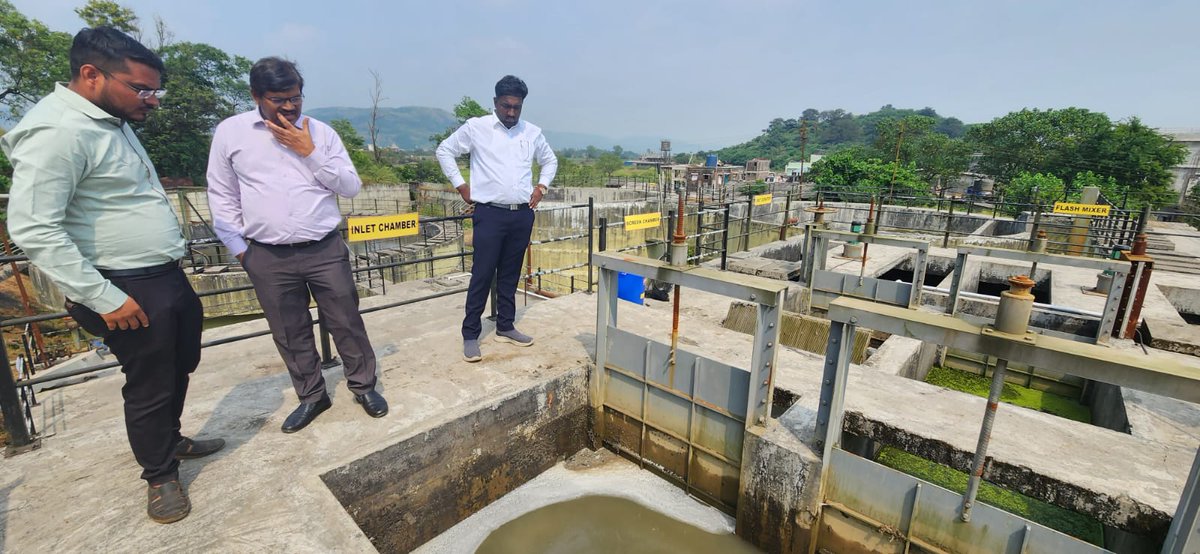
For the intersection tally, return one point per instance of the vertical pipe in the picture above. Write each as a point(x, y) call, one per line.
point(699, 230)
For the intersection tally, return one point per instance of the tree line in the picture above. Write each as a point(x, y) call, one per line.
point(919, 152)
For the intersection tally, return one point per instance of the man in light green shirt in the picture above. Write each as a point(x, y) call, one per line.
point(88, 209)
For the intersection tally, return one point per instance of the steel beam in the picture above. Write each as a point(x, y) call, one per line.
point(762, 363)
point(874, 239)
point(1160, 375)
point(1041, 257)
point(1184, 534)
point(606, 316)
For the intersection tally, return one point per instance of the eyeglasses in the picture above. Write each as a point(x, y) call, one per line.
point(142, 93)
point(289, 100)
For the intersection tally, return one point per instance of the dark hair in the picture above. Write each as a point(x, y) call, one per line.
point(511, 86)
point(274, 74)
point(109, 49)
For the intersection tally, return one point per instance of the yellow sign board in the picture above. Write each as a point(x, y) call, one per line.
point(1100, 210)
point(383, 226)
point(642, 221)
point(762, 199)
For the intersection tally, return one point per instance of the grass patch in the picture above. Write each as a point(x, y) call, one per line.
point(1016, 395)
point(1059, 519)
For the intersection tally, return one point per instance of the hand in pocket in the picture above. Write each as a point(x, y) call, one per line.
point(89, 320)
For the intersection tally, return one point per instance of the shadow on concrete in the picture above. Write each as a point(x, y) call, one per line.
point(588, 341)
point(4, 494)
point(237, 418)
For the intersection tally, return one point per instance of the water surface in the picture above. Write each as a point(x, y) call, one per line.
point(605, 525)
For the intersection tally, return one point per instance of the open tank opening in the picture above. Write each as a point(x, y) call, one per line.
point(993, 279)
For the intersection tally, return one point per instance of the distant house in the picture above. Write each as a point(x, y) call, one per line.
point(792, 170)
point(758, 169)
point(1187, 174)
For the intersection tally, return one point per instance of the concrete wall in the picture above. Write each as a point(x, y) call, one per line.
point(777, 490)
point(1183, 299)
point(409, 492)
point(1107, 404)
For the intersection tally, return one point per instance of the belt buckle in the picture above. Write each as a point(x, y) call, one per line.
point(513, 207)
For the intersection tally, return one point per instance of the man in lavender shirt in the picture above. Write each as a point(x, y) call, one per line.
point(273, 180)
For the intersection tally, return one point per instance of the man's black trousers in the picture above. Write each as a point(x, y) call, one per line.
point(500, 239)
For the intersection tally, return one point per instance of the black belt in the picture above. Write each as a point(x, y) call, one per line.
point(303, 244)
point(509, 207)
point(139, 271)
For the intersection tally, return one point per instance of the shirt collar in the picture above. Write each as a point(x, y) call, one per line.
point(497, 124)
point(73, 100)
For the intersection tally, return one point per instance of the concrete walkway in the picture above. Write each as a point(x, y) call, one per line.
point(81, 493)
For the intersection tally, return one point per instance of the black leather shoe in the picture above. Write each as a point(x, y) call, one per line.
point(304, 414)
point(373, 403)
point(189, 449)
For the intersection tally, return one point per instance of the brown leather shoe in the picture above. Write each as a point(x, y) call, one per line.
point(168, 502)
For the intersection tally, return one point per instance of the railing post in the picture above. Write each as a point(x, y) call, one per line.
point(603, 234)
point(746, 225)
point(787, 210)
point(949, 218)
point(327, 359)
point(699, 228)
point(591, 239)
point(19, 438)
point(725, 240)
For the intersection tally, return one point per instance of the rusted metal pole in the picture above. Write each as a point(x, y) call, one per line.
point(1012, 318)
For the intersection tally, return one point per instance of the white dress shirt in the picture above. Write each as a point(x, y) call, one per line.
point(501, 159)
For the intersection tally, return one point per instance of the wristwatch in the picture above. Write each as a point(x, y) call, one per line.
point(541, 187)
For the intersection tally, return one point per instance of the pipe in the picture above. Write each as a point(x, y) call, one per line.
point(1036, 305)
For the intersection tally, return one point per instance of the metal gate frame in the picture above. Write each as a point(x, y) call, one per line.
point(995, 532)
point(685, 417)
point(1120, 270)
point(828, 285)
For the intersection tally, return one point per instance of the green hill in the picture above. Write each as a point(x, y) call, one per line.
point(408, 127)
point(828, 131)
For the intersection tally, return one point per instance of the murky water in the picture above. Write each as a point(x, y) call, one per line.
point(604, 525)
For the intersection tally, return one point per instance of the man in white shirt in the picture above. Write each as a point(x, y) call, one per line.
point(503, 149)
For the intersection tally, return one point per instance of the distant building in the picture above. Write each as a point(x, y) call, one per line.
point(706, 180)
point(792, 170)
point(1187, 173)
point(759, 169)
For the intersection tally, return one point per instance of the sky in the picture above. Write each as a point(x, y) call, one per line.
point(713, 72)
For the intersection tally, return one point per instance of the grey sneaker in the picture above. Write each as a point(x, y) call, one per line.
point(471, 351)
point(515, 337)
